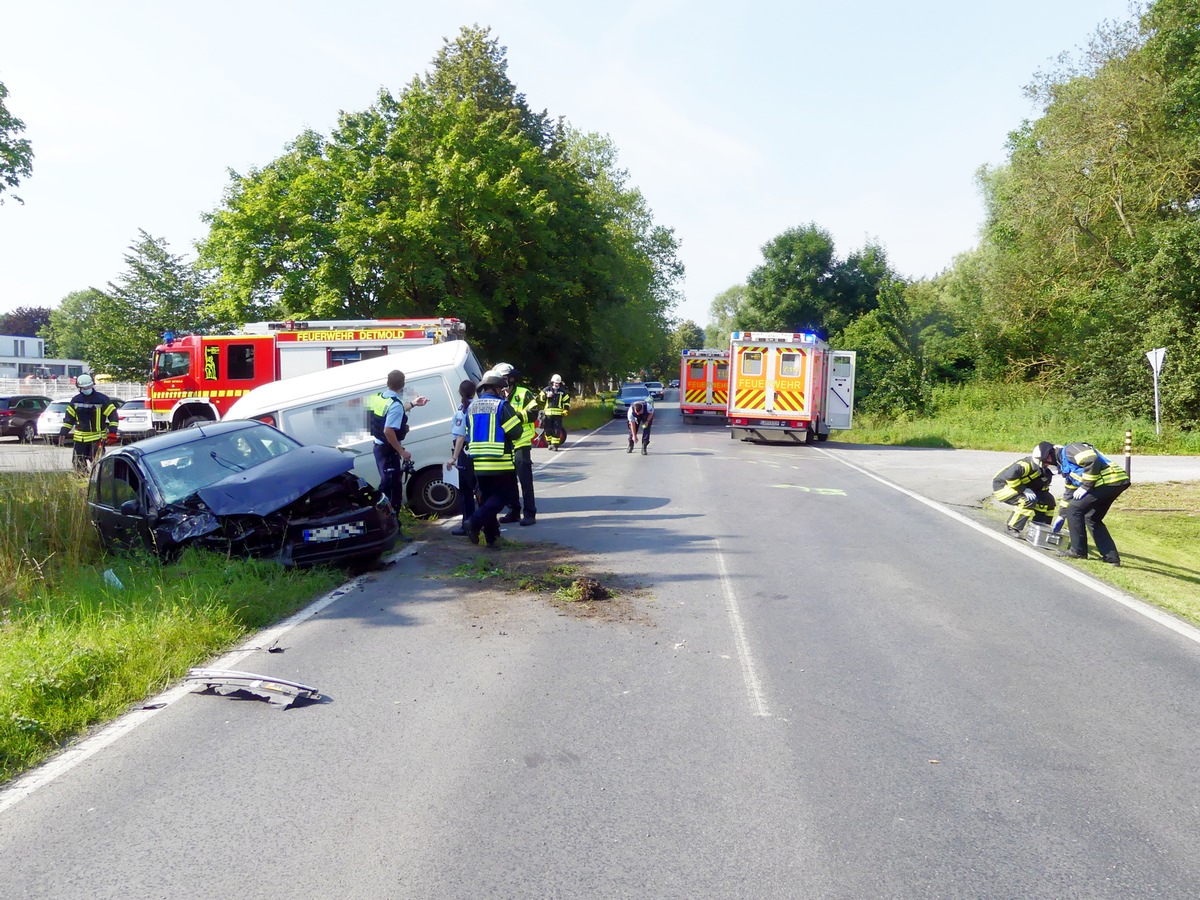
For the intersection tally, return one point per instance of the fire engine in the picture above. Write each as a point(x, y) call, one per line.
point(703, 384)
point(197, 378)
point(788, 387)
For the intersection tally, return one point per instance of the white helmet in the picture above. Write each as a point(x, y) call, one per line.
point(85, 381)
point(556, 379)
point(504, 370)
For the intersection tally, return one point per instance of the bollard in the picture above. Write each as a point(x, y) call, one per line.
point(1128, 453)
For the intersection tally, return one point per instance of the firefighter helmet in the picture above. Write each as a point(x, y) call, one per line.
point(556, 379)
point(493, 380)
point(504, 370)
point(85, 381)
point(1045, 454)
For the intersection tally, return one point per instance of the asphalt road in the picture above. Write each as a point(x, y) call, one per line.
point(842, 691)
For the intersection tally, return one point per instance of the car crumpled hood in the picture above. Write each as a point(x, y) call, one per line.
point(276, 483)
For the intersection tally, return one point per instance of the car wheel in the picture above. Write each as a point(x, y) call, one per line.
point(29, 433)
point(429, 495)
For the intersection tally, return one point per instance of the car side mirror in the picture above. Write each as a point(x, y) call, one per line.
point(131, 507)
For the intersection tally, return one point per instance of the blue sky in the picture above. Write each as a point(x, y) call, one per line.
point(736, 121)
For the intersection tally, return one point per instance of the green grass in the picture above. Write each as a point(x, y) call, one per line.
point(1013, 418)
point(76, 651)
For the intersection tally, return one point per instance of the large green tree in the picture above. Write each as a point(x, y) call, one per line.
point(802, 285)
point(722, 316)
point(453, 198)
point(25, 321)
point(16, 153)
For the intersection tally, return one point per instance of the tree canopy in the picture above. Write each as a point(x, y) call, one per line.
point(16, 153)
point(453, 198)
point(25, 321)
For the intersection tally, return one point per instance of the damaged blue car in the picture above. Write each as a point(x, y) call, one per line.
point(241, 488)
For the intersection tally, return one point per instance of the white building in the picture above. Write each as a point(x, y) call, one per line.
point(24, 356)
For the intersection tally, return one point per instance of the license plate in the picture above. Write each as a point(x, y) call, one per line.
point(335, 532)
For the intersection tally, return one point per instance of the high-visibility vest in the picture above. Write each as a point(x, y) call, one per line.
point(1083, 465)
point(377, 408)
point(491, 426)
point(525, 405)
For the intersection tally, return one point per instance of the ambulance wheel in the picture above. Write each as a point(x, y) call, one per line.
point(429, 495)
point(822, 437)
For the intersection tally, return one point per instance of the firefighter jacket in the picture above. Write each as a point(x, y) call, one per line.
point(1024, 473)
point(525, 404)
point(555, 401)
point(91, 417)
point(492, 426)
point(1083, 466)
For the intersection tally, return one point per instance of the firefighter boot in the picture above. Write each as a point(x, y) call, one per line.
point(645, 447)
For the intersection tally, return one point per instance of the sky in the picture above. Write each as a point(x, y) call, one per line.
point(869, 118)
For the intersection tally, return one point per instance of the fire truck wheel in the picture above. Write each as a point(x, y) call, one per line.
point(189, 421)
point(428, 495)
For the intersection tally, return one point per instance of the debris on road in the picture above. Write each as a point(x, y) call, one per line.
point(277, 691)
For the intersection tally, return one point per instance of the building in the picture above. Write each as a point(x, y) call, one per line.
point(24, 357)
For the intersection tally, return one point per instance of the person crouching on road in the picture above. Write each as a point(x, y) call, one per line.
point(640, 415)
point(387, 414)
point(90, 419)
point(1026, 485)
point(460, 459)
point(492, 427)
point(556, 405)
point(1093, 484)
point(525, 404)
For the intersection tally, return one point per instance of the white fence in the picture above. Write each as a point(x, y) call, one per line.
point(48, 387)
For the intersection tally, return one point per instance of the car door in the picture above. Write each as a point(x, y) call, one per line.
point(119, 505)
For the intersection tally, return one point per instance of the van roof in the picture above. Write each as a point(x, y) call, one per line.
point(365, 375)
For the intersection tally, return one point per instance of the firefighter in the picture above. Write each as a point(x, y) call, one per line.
point(1093, 484)
point(91, 418)
point(1026, 485)
point(492, 427)
point(525, 404)
point(387, 415)
point(556, 405)
point(640, 415)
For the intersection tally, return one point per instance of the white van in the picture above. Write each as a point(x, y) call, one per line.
point(329, 407)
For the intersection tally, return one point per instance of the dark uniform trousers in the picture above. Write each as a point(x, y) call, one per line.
point(523, 463)
point(1090, 510)
point(497, 490)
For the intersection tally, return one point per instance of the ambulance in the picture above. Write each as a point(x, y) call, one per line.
point(703, 385)
point(788, 387)
point(198, 377)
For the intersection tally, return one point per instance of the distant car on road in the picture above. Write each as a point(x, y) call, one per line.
point(629, 393)
point(655, 388)
point(674, 383)
point(241, 488)
point(19, 415)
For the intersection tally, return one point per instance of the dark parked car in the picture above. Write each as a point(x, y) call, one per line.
point(629, 393)
point(243, 488)
point(19, 415)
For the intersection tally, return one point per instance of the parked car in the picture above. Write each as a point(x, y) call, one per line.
point(629, 393)
point(19, 415)
point(655, 388)
point(241, 488)
point(133, 419)
point(49, 423)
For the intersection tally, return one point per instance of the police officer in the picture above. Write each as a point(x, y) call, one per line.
point(640, 415)
point(1093, 484)
point(556, 404)
point(492, 427)
point(525, 404)
point(460, 458)
point(387, 414)
point(1026, 485)
point(91, 417)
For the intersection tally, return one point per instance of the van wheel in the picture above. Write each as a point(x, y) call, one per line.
point(822, 436)
point(428, 495)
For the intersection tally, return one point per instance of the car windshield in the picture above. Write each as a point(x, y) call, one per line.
point(182, 470)
point(57, 406)
point(134, 404)
point(653, 384)
point(631, 392)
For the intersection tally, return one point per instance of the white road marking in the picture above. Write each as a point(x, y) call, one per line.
point(77, 753)
point(1183, 629)
point(758, 701)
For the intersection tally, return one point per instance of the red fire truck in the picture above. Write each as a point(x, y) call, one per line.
point(197, 378)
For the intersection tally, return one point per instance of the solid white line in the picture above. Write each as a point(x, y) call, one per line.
point(1183, 629)
point(77, 753)
point(749, 673)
